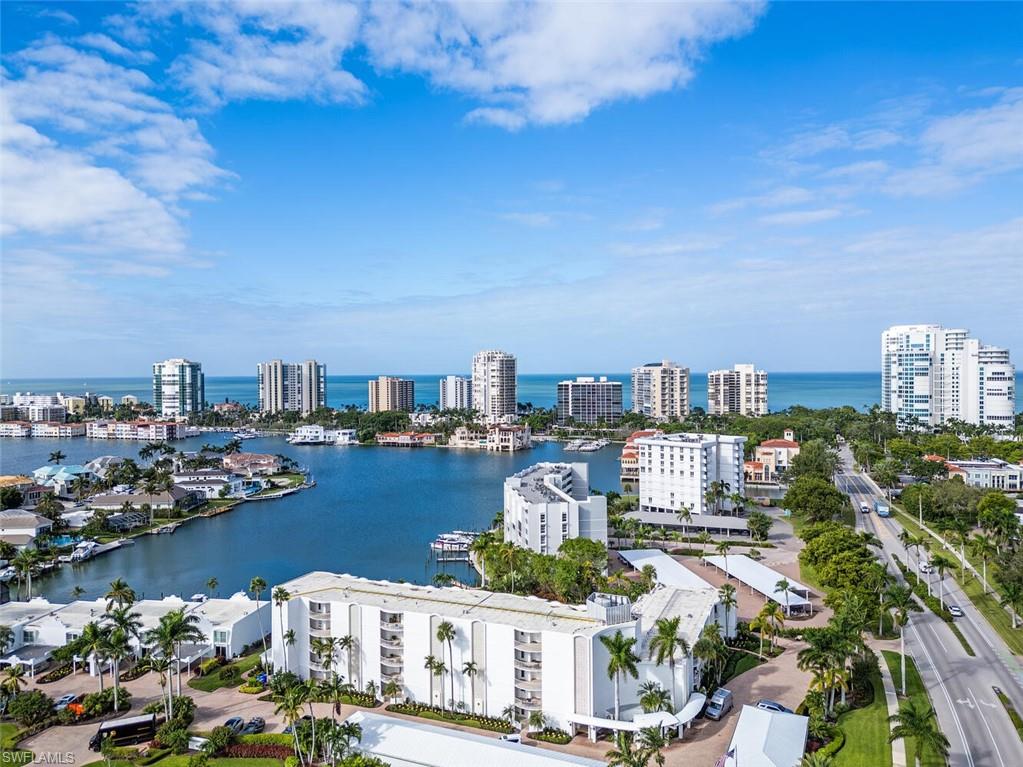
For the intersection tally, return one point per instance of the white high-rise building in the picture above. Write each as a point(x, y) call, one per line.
point(590, 400)
point(531, 654)
point(549, 503)
point(455, 393)
point(179, 388)
point(741, 390)
point(660, 390)
point(677, 470)
point(931, 374)
point(301, 387)
point(494, 382)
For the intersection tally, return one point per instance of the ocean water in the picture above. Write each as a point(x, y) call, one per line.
point(815, 390)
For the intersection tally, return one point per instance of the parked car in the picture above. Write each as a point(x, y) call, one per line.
point(770, 705)
point(255, 726)
point(720, 703)
point(306, 718)
point(956, 611)
point(512, 737)
point(66, 700)
point(235, 724)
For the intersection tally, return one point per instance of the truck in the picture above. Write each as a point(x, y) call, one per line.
point(881, 508)
point(123, 732)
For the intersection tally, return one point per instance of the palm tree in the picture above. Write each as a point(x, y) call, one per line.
point(289, 638)
point(471, 669)
point(626, 753)
point(120, 593)
point(621, 661)
point(728, 600)
point(653, 697)
point(333, 689)
point(900, 601)
point(772, 612)
point(685, 516)
point(917, 722)
point(652, 740)
point(482, 546)
point(94, 642)
point(762, 626)
point(24, 562)
point(117, 649)
point(211, 585)
point(710, 649)
point(14, 679)
point(783, 586)
point(941, 563)
point(704, 538)
point(437, 668)
point(76, 592)
point(510, 555)
point(347, 643)
point(537, 720)
point(446, 635)
point(1012, 597)
point(56, 457)
point(325, 649)
point(666, 644)
point(817, 759)
point(174, 629)
point(280, 596)
point(257, 586)
point(981, 546)
point(290, 708)
point(161, 665)
point(391, 690)
point(722, 548)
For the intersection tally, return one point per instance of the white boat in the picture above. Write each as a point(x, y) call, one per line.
point(246, 434)
point(198, 598)
point(575, 444)
point(459, 540)
point(84, 550)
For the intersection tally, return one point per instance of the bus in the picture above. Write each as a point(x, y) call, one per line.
point(882, 508)
point(124, 732)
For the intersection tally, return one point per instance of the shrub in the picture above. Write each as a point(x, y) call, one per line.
point(100, 703)
point(252, 688)
point(137, 671)
point(258, 751)
point(219, 739)
point(53, 675)
point(173, 735)
point(210, 664)
point(552, 735)
point(32, 707)
point(291, 761)
point(230, 674)
point(833, 746)
point(266, 739)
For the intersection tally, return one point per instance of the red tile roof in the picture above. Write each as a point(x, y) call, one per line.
point(779, 443)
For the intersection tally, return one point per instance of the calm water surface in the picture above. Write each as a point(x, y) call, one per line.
point(373, 513)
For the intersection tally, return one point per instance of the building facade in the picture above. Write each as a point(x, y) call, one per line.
point(455, 393)
point(589, 400)
point(529, 653)
point(494, 385)
point(993, 473)
point(660, 390)
point(742, 390)
point(179, 388)
point(931, 374)
point(300, 387)
point(388, 393)
point(549, 503)
point(676, 471)
point(775, 456)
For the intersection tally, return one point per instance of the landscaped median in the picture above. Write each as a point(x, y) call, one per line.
point(933, 603)
point(916, 692)
point(452, 717)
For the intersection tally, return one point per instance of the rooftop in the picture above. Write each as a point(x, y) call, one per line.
point(524, 613)
point(690, 439)
point(693, 606)
point(19, 612)
point(541, 482)
point(8, 480)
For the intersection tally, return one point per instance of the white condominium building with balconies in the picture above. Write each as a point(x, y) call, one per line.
point(589, 400)
point(494, 385)
point(527, 652)
point(284, 386)
point(388, 393)
point(676, 471)
point(742, 390)
point(549, 503)
point(660, 390)
point(455, 393)
point(931, 374)
point(179, 388)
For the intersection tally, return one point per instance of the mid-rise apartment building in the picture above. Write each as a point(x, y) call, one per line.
point(991, 473)
point(455, 393)
point(179, 388)
point(588, 400)
point(676, 471)
point(494, 385)
point(660, 390)
point(389, 393)
point(931, 374)
point(529, 653)
point(549, 503)
point(300, 387)
point(742, 390)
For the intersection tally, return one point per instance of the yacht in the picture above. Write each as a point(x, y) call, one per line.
point(246, 434)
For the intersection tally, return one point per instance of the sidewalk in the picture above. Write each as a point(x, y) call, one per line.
point(892, 699)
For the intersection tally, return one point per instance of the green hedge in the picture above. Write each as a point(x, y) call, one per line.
point(266, 739)
point(469, 720)
point(552, 735)
point(834, 745)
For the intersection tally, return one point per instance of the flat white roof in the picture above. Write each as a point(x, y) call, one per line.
point(761, 578)
point(693, 606)
point(767, 739)
point(670, 571)
point(13, 613)
point(403, 743)
point(525, 613)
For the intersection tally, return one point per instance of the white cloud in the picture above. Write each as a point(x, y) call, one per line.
point(548, 63)
point(779, 197)
point(800, 217)
point(533, 219)
point(678, 246)
point(109, 45)
point(856, 170)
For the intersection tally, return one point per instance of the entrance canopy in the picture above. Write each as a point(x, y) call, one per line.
point(670, 572)
point(692, 708)
point(763, 579)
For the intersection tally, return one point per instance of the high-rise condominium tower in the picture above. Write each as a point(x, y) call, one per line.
point(589, 400)
point(660, 390)
point(387, 393)
point(179, 388)
point(455, 393)
point(741, 390)
point(931, 374)
point(494, 393)
point(301, 387)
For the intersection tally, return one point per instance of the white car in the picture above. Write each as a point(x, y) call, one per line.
point(512, 737)
point(926, 568)
point(956, 611)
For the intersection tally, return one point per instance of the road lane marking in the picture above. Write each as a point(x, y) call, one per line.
point(948, 698)
point(994, 741)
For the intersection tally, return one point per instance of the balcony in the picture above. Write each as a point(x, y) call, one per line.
point(392, 626)
point(529, 665)
point(529, 704)
point(532, 685)
point(391, 660)
point(531, 647)
point(391, 674)
point(393, 643)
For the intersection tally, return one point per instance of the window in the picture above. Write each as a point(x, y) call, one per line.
point(28, 636)
point(220, 637)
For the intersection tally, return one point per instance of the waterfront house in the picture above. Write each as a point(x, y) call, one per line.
point(58, 429)
point(21, 527)
point(15, 429)
point(214, 487)
point(508, 438)
point(177, 498)
point(252, 464)
point(30, 491)
point(61, 479)
point(406, 439)
point(531, 653)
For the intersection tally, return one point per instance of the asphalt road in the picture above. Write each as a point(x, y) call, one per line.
point(961, 687)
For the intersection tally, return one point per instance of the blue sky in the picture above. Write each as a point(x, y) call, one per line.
point(392, 187)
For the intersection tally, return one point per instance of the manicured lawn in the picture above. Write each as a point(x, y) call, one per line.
point(866, 733)
point(12, 755)
point(914, 689)
point(213, 681)
point(987, 604)
point(739, 663)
